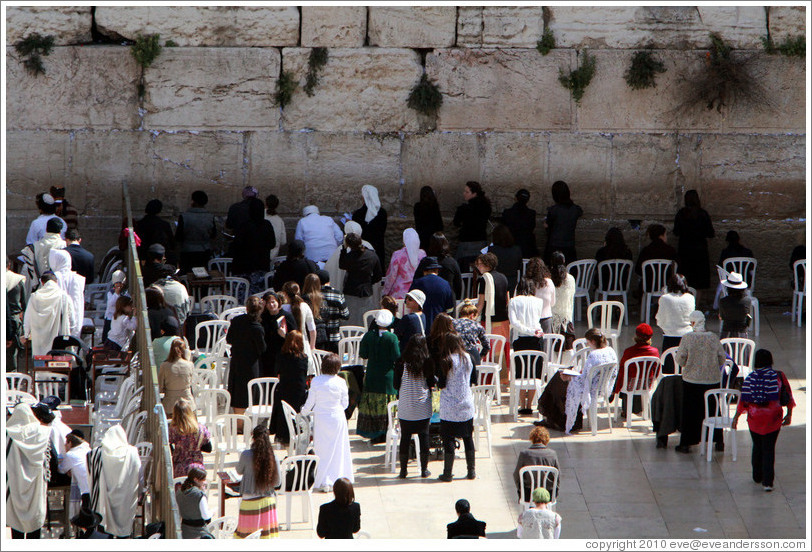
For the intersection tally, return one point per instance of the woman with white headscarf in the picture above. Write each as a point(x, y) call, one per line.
point(331, 266)
point(403, 264)
point(27, 471)
point(114, 467)
point(72, 284)
point(372, 218)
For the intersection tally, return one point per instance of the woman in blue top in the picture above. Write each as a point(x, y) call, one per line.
point(456, 404)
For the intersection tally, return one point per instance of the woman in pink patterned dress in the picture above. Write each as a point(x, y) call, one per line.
point(402, 265)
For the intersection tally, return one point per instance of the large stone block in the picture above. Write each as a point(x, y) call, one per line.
point(583, 161)
point(510, 161)
point(412, 27)
point(360, 89)
point(326, 169)
point(204, 26)
point(501, 89)
point(786, 22)
point(35, 160)
point(83, 87)
point(212, 88)
point(609, 103)
point(500, 26)
point(68, 25)
point(443, 160)
point(677, 27)
point(753, 176)
point(334, 27)
point(644, 175)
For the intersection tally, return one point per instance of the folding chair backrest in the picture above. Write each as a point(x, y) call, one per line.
point(264, 388)
point(223, 264)
point(228, 314)
point(525, 365)
point(607, 312)
point(533, 477)
point(584, 273)
point(496, 354)
point(646, 369)
point(348, 350)
point(614, 275)
point(724, 403)
point(742, 351)
point(209, 331)
point(301, 466)
point(655, 274)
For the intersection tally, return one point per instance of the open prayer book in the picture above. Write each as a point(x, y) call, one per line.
point(569, 372)
point(230, 475)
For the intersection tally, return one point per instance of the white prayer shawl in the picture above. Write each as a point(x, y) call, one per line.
point(331, 266)
point(12, 279)
point(118, 484)
point(411, 240)
point(49, 313)
point(490, 300)
point(42, 250)
point(27, 458)
point(372, 201)
point(72, 284)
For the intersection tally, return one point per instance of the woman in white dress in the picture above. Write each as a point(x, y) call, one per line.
point(579, 391)
point(327, 399)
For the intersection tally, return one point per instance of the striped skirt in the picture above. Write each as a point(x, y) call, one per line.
point(372, 415)
point(258, 514)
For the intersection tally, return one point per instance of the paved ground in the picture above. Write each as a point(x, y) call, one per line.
point(616, 484)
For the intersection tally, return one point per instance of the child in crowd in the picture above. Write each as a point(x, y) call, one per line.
point(123, 326)
point(116, 290)
point(539, 522)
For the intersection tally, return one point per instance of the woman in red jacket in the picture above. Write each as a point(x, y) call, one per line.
point(642, 347)
point(764, 394)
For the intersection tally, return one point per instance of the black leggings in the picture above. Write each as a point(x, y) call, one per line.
point(763, 459)
point(414, 427)
point(449, 444)
point(20, 535)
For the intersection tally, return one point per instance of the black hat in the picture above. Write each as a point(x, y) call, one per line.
point(157, 249)
point(323, 275)
point(523, 194)
point(432, 264)
point(52, 401)
point(43, 413)
point(86, 518)
point(170, 325)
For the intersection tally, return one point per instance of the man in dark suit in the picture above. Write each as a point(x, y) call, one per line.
point(536, 455)
point(82, 260)
point(466, 526)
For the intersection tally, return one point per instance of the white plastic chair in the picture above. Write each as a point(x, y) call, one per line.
point(51, 383)
point(221, 347)
point(300, 465)
point(263, 406)
point(605, 321)
point(211, 331)
point(348, 350)
point(350, 331)
point(223, 264)
point(238, 288)
point(204, 378)
point(222, 527)
point(467, 284)
point(614, 277)
point(362, 535)
point(647, 372)
point(605, 373)
point(584, 273)
point(255, 535)
point(369, 316)
point(298, 431)
point(212, 403)
point(217, 303)
point(746, 266)
point(18, 381)
point(318, 356)
point(13, 398)
point(655, 275)
point(538, 476)
point(579, 344)
point(144, 449)
point(725, 400)
point(799, 290)
point(492, 364)
point(670, 352)
point(227, 440)
point(524, 363)
point(553, 345)
point(393, 437)
point(228, 314)
point(743, 353)
point(483, 396)
point(135, 430)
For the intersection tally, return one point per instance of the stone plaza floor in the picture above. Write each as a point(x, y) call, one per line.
point(613, 485)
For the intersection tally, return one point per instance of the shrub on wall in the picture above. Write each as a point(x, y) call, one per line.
point(145, 50)
point(642, 72)
point(793, 46)
point(578, 79)
point(285, 85)
point(315, 62)
point(33, 47)
point(546, 43)
point(425, 97)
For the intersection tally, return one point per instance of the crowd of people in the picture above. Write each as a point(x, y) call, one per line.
point(426, 332)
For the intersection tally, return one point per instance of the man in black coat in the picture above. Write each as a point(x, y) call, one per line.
point(82, 260)
point(466, 526)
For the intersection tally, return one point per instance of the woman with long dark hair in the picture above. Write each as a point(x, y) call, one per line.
point(291, 365)
point(341, 518)
point(539, 274)
point(693, 225)
point(276, 322)
point(312, 295)
point(560, 223)
point(427, 217)
point(260, 476)
point(305, 320)
point(414, 379)
point(247, 340)
point(456, 405)
point(472, 219)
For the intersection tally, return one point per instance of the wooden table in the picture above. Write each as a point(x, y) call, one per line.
point(200, 287)
point(78, 417)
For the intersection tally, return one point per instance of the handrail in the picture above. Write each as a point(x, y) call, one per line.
point(164, 505)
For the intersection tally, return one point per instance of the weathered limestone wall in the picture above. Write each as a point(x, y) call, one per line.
point(207, 120)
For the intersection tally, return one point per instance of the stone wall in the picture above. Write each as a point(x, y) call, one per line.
point(207, 119)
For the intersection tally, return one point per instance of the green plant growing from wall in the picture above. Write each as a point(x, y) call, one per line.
point(315, 62)
point(792, 46)
point(285, 85)
point(726, 78)
point(425, 97)
point(145, 50)
point(170, 44)
point(642, 72)
point(33, 48)
point(578, 79)
point(547, 42)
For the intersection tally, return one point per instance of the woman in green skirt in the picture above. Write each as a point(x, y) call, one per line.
point(380, 347)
